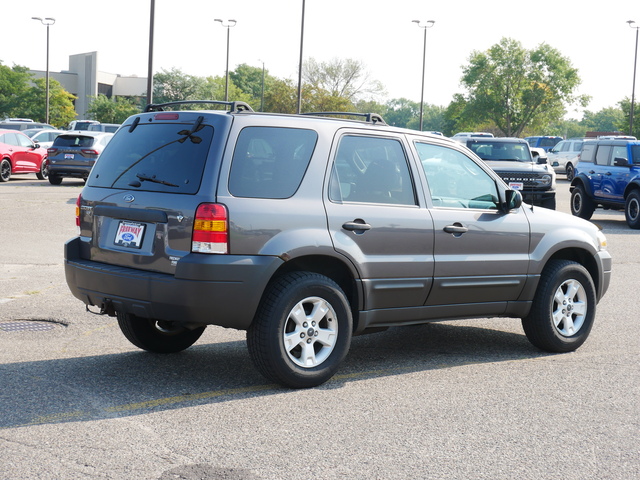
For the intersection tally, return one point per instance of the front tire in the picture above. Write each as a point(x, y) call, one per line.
point(582, 205)
point(5, 170)
point(302, 331)
point(632, 210)
point(563, 309)
point(157, 336)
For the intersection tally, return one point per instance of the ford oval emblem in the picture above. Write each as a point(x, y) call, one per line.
point(128, 198)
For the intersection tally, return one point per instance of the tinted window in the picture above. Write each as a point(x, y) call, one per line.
point(79, 141)
point(371, 170)
point(456, 181)
point(161, 157)
point(635, 154)
point(619, 151)
point(588, 152)
point(270, 162)
point(602, 154)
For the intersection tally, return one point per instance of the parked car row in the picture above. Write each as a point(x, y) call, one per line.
point(69, 154)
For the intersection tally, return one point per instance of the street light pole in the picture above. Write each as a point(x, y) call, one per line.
point(424, 27)
point(228, 25)
point(48, 21)
point(632, 24)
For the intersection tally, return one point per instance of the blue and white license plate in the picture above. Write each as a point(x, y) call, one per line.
point(516, 185)
point(129, 234)
point(69, 156)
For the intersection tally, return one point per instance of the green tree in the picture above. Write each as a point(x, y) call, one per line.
point(61, 109)
point(606, 120)
point(212, 88)
point(14, 85)
point(174, 85)
point(107, 110)
point(517, 88)
point(623, 123)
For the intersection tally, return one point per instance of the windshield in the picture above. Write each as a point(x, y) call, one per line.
point(501, 151)
point(162, 157)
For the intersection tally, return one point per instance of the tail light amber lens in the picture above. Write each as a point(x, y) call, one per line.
point(210, 229)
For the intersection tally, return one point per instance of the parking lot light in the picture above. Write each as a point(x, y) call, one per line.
point(230, 23)
point(632, 24)
point(47, 21)
point(428, 24)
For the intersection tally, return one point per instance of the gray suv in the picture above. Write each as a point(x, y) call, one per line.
point(304, 230)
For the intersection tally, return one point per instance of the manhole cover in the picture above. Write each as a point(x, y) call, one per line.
point(27, 326)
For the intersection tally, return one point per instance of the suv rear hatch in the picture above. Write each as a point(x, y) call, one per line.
point(139, 205)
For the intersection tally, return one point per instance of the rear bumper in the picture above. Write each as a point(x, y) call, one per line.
point(220, 290)
point(77, 171)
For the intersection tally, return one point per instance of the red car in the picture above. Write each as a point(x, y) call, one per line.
point(18, 154)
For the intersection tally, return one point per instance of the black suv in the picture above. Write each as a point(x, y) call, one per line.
point(511, 158)
point(304, 230)
point(608, 176)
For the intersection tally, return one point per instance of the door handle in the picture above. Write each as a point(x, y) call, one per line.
point(356, 226)
point(608, 173)
point(456, 229)
point(592, 172)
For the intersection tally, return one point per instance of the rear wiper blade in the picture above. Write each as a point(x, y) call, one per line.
point(146, 178)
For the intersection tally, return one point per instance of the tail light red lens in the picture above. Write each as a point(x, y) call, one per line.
point(210, 229)
point(51, 151)
point(88, 151)
point(78, 203)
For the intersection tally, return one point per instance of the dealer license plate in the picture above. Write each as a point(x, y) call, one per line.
point(129, 234)
point(516, 185)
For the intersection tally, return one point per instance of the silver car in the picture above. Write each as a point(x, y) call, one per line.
point(564, 156)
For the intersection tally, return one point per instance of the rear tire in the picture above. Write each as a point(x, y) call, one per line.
point(570, 171)
point(302, 331)
point(157, 336)
point(44, 170)
point(5, 170)
point(54, 179)
point(582, 205)
point(632, 210)
point(563, 309)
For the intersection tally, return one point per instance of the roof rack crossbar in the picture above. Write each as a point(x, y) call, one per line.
point(235, 107)
point(369, 117)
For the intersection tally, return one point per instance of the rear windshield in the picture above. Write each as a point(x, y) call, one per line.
point(160, 157)
point(74, 141)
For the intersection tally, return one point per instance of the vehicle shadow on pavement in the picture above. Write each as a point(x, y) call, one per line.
point(136, 383)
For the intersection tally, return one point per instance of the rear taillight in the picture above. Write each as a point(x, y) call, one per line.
point(51, 151)
point(78, 202)
point(210, 229)
point(89, 151)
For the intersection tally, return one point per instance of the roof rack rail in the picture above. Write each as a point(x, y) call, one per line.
point(369, 117)
point(235, 106)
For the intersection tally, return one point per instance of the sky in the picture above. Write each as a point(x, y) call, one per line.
point(380, 34)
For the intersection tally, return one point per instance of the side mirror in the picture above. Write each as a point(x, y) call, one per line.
point(542, 160)
point(513, 200)
point(620, 162)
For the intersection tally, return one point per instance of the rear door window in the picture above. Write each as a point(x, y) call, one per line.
point(160, 157)
point(371, 170)
point(270, 162)
point(602, 155)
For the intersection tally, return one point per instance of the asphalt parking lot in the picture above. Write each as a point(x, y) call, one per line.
point(451, 400)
